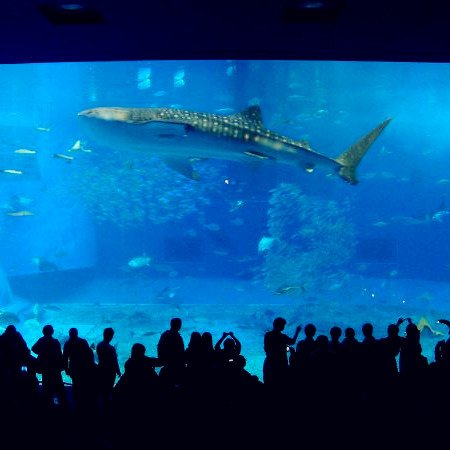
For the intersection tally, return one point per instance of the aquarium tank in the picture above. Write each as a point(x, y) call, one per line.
point(226, 193)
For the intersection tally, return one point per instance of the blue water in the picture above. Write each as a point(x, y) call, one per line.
point(348, 254)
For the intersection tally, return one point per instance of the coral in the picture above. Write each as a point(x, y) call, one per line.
point(313, 240)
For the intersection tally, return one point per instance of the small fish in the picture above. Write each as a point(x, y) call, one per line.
point(265, 244)
point(79, 146)
point(295, 97)
point(52, 308)
point(178, 79)
point(439, 216)
point(12, 171)
point(25, 151)
point(43, 129)
point(150, 333)
point(62, 156)
point(380, 224)
point(20, 213)
point(145, 84)
point(160, 94)
point(237, 205)
point(75, 147)
point(282, 290)
point(144, 78)
point(139, 261)
point(167, 293)
point(320, 113)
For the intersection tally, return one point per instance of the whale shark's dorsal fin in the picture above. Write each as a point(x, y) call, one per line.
point(252, 114)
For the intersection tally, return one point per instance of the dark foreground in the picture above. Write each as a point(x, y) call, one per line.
point(252, 418)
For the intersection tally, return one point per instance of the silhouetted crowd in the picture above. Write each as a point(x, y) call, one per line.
point(319, 387)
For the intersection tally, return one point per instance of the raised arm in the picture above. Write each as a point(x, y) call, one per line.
point(293, 339)
point(237, 342)
point(219, 342)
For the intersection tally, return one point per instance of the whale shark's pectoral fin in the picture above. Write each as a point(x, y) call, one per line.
point(182, 166)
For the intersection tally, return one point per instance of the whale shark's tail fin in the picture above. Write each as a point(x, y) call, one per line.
point(350, 159)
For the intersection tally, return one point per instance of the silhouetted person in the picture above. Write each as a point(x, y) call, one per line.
point(195, 363)
point(411, 360)
point(322, 368)
point(208, 353)
point(350, 358)
point(350, 340)
point(17, 370)
point(171, 354)
point(227, 355)
point(335, 348)
point(50, 364)
point(194, 351)
point(369, 360)
point(389, 348)
point(108, 367)
point(139, 385)
point(14, 353)
point(335, 336)
point(237, 389)
point(276, 346)
point(412, 369)
point(79, 365)
point(305, 347)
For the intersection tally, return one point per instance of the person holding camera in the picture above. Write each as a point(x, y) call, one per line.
point(277, 345)
point(231, 349)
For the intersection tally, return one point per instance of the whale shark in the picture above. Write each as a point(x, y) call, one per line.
point(179, 137)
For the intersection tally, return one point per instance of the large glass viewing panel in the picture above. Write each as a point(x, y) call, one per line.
point(192, 208)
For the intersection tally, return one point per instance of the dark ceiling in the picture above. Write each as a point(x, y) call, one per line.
point(390, 30)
